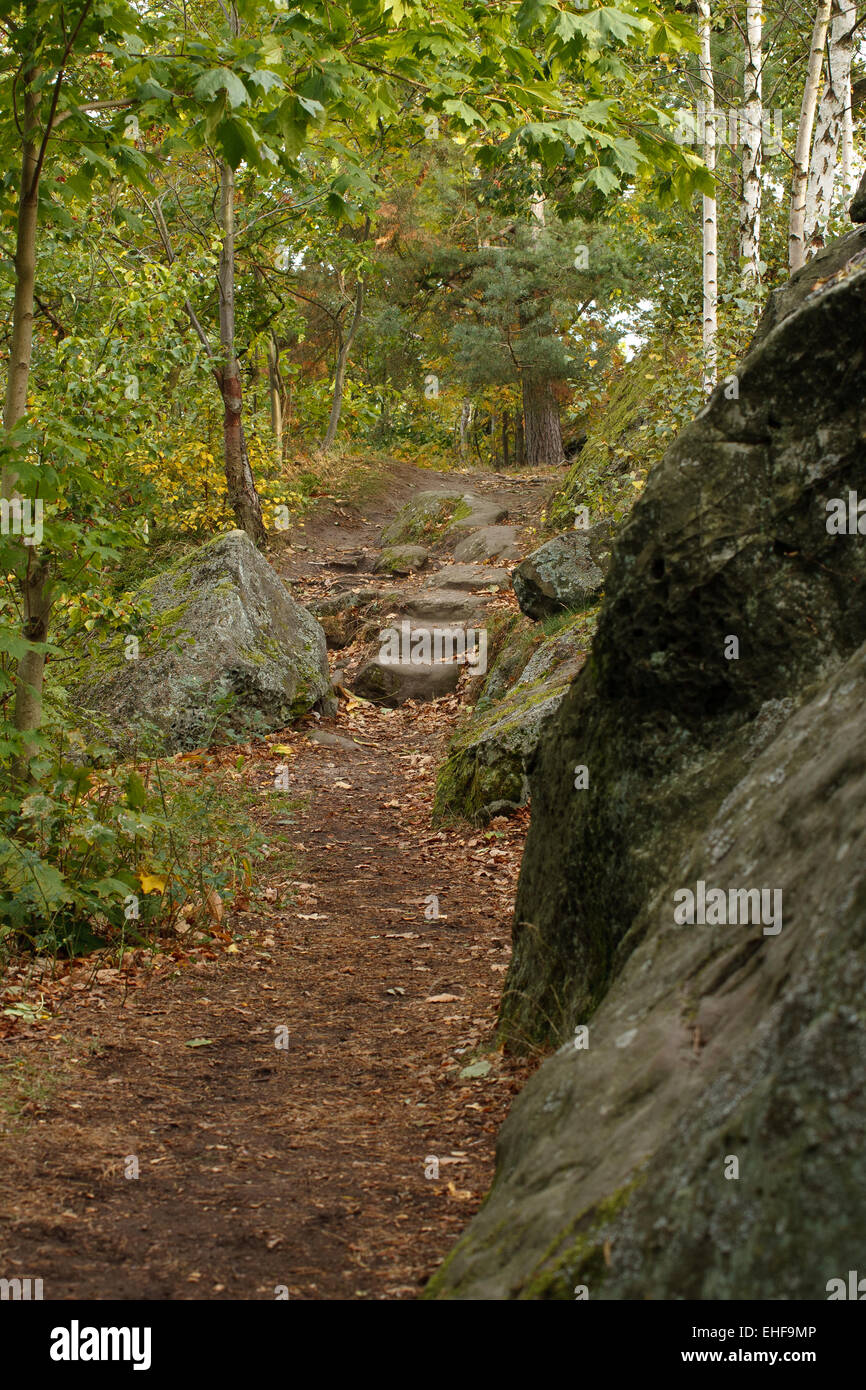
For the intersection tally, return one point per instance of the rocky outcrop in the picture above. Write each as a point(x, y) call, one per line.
point(713, 741)
point(566, 574)
point(704, 1139)
point(226, 649)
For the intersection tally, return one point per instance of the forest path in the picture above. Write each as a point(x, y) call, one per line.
point(305, 1169)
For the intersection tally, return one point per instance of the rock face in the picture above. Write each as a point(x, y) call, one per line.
point(857, 210)
point(566, 574)
point(720, 720)
point(227, 647)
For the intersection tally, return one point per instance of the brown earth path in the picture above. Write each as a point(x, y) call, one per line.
point(306, 1170)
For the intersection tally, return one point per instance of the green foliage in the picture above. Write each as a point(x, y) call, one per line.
point(94, 855)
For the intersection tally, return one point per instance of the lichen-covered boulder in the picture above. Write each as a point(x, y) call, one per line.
point(566, 574)
point(227, 648)
point(727, 595)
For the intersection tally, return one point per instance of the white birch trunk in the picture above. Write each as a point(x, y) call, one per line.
point(751, 131)
point(830, 122)
point(709, 253)
point(799, 180)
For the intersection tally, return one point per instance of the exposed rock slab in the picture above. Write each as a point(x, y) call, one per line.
point(468, 577)
point(489, 543)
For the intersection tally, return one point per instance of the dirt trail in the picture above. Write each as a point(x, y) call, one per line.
point(306, 1169)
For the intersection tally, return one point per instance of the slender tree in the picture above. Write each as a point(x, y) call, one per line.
point(709, 249)
point(832, 125)
point(799, 180)
point(753, 111)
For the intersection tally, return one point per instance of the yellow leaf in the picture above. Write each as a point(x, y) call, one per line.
point(283, 748)
point(152, 883)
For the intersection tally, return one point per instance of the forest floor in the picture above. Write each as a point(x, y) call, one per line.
point(155, 1142)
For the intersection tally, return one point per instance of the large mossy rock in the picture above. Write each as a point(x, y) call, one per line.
point(486, 771)
point(566, 574)
point(720, 719)
point(227, 649)
point(423, 520)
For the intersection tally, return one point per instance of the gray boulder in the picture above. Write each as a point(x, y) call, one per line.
point(475, 512)
point(401, 559)
point(489, 543)
point(715, 1043)
point(566, 574)
point(227, 648)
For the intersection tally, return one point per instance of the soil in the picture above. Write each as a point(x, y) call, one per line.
point(286, 1113)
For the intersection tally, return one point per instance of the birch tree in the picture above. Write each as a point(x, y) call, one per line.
point(709, 249)
point(832, 125)
point(750, 202)
point(800, 177)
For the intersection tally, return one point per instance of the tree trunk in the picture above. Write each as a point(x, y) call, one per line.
point(505, 459)
point(35, 585)
point(519, 448)
point(709, 250)
point(750, 204)
point(343, 350)
point(466, 413)
point(799, 180)
point(543, 438)
point(242, 492)
point(276, 393)
point(831, 119)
